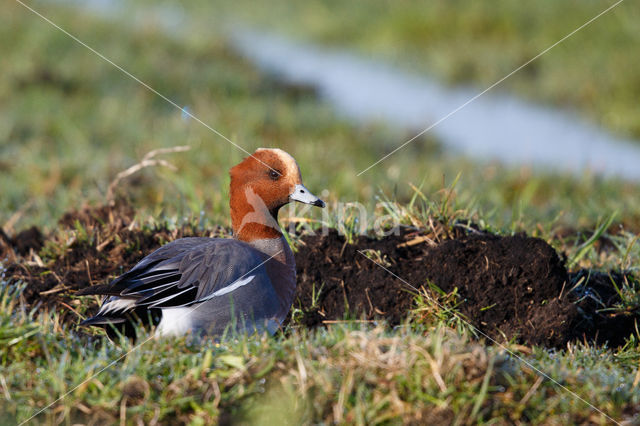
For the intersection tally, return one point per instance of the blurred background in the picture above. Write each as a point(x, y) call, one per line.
point(337, 84)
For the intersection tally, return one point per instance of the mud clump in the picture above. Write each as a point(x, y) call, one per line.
point(595, 293)
point(511, 285)
point(507, 287)
point(22, 243)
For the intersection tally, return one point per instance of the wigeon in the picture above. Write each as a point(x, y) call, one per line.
point(209, 285)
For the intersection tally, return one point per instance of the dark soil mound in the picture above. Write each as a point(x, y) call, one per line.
point(507, 287)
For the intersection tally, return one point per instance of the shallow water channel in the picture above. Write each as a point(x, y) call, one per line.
point(493, 126)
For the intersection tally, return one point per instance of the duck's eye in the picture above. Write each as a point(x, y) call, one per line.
point(273, 174)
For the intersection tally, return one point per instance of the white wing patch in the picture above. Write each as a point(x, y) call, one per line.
point(117, 304)
point(174, 322)
point(231, 287)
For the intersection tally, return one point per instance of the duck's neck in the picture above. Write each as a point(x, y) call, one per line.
point(277, 248)
point(255, 224)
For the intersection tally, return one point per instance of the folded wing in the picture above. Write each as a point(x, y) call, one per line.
point(182, 273)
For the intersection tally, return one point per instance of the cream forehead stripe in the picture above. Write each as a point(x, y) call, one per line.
point(289, 162)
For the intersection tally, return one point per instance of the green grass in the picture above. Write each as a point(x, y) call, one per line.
point(422, 371)
point(69, 123)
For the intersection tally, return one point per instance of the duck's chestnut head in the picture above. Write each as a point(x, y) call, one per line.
point(274, 177)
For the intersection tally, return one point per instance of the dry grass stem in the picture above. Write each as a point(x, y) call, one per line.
point(148, 160)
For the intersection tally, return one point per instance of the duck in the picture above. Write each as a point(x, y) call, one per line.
point(215, 286)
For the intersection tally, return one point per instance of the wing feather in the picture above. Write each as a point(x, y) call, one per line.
point(186, 271)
